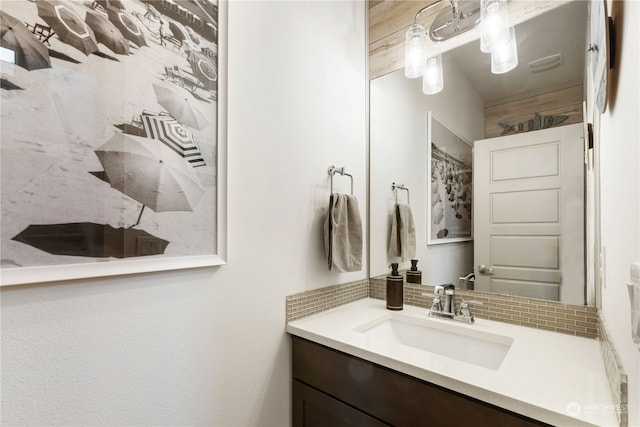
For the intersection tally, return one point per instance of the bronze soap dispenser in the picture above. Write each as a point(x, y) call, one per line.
point(395, 290)
point(414, 275)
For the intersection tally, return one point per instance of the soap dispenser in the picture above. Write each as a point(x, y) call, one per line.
point(414, 275)
point(395, 291)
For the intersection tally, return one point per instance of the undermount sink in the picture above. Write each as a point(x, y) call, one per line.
point(445, 339)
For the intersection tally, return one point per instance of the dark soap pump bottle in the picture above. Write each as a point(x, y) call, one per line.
point(414, 275)
point(395, 291)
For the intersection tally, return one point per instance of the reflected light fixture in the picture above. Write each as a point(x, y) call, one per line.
point(415, 51)
point(463, 16)
point(504, 56)
point(495, 24)
point(432, 79)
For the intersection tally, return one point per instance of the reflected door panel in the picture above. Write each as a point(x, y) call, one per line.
point(529, 214)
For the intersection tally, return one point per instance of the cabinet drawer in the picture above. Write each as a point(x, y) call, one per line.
point(312, 408)
point(390, 396)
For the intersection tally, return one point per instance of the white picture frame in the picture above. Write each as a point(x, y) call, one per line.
point(449, 185)
point(14, 271)
point(598, 52)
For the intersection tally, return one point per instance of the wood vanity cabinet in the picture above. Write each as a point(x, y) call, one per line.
point(334, 389)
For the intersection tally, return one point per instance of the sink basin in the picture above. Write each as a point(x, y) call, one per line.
point(450, 340)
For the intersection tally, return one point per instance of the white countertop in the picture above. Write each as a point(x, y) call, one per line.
point(555, 378)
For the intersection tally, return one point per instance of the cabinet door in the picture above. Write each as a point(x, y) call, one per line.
point(392, 397)
point(312, 408)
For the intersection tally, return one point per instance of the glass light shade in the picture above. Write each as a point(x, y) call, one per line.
point(494, 22)
point(415, 53)
point(432, 79)
point(505, 55)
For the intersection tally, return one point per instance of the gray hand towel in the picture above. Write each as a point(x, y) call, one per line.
point(402, 241)
point(343, 234)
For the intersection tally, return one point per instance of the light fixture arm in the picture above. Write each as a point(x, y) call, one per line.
point(456, 14)
point(429, 6)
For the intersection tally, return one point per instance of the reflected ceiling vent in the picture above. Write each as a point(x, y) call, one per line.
point(547, 63)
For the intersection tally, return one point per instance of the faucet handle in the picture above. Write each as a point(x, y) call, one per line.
point(464, 313)
point(468, 302)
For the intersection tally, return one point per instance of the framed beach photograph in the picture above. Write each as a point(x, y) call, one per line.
point(449, 185)
point(112, 137)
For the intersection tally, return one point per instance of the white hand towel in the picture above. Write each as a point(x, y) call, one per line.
point(343, 234)
point(402, 241)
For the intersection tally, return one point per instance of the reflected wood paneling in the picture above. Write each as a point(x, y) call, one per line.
point(567, 101)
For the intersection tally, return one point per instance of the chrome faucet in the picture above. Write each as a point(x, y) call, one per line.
point(444, 305)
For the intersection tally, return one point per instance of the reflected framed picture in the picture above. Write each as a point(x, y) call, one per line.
point(112, 137)
point(599, 52)
point(449, 185)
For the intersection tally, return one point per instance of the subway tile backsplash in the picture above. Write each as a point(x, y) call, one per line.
point(317, 300)
point(615, 374)
point(534, 313)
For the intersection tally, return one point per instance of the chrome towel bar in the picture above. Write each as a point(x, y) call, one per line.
point(333, 170)
point(395, 187)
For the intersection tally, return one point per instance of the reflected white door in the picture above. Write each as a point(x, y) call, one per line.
point(529, 214)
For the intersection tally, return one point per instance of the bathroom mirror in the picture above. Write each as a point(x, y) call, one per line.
point(550, 76)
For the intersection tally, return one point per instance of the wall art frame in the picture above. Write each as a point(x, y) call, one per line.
point(114, 152)
point(449, 185)
point(601, 52)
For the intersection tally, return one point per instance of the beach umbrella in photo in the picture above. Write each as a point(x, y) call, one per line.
point(7, 85)
point(211, 53)
point(152, 12)
point(177, 32)
point(167, 130)
point(106, 4)
point(29, 52)
point(88, 239)
point(67, 24)
point(181, 105)
point(203, 69)
point(107, 33)
point(192, 35)
point(150, 172)
point(127, 26)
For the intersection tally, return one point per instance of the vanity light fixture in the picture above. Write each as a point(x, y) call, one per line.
point(432, 79)
point(495, 24)
point(463, 16)
point(504, 56)
point(415, 51)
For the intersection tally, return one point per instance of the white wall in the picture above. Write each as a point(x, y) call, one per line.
point(207, 347)
point(398, 153)
point(620, 194)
